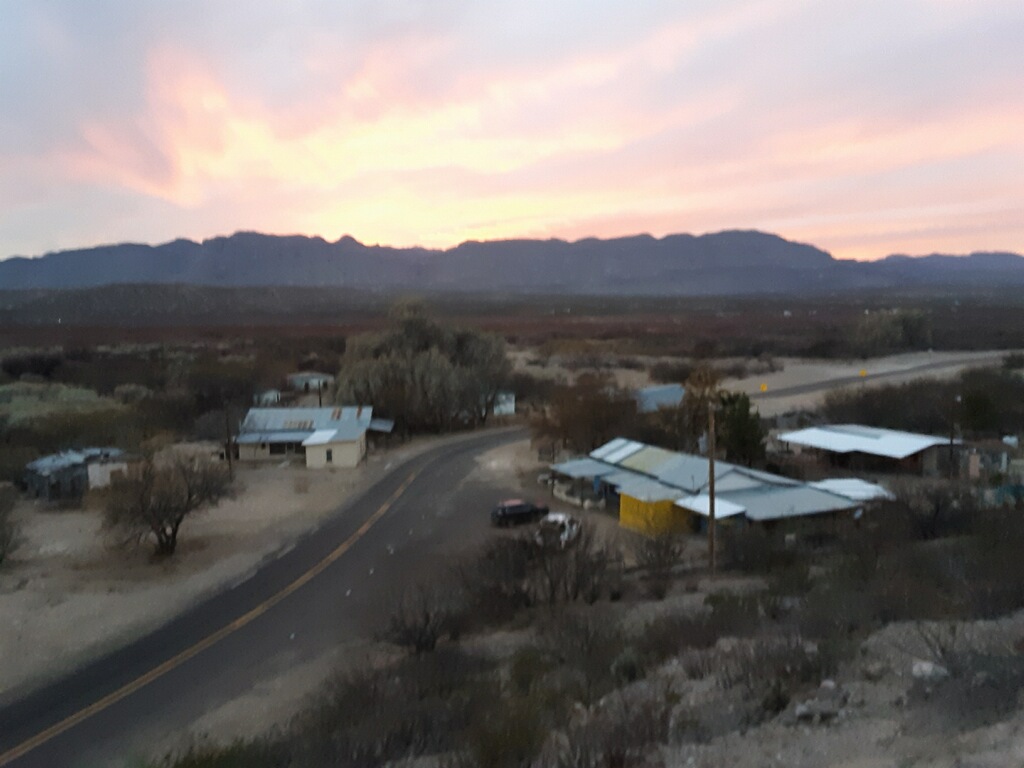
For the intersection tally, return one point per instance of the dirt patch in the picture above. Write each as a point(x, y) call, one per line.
point(71, 591)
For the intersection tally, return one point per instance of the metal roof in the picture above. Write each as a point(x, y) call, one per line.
point(650, 399)
point(647, 459)
point(780, 503)
point(855, 438)
point(344, 434)
point(584, 467)
point(702, 506)
point(306, 420)
point(688, 472)
point(609, 447)
point(620, 453)
point(620, 477)
point(645, 489)
point(47, 465)
point(381, 425)
point(853, 488)
point(284, 436)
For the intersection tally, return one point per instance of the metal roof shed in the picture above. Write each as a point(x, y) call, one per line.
point(855, 438)
point(585, 467)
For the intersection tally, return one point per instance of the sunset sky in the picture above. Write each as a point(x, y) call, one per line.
point(866, 127)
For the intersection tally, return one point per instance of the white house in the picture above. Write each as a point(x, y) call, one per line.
point(310, 381)
point(330, 436)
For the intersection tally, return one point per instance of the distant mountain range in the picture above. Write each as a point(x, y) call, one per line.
point(725, 263)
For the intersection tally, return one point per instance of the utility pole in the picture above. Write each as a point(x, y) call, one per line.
point(711, 483)
point(228, 447)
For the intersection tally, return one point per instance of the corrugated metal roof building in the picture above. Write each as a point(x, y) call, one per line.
point(857, 446)
point(658, 490)
point(335, 432)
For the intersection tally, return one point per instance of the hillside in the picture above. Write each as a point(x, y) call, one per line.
point(725, 263)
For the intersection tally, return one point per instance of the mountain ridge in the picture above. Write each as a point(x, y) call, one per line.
point(731, 262)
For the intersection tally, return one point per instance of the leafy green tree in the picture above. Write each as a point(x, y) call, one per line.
point(425, 375)
point(740, 432)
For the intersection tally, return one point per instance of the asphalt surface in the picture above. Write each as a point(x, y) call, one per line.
point(844, 381)
point(421, 515)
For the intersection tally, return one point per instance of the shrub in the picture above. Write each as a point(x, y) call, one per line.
point(241, 754)
point(8, 530)
point(671, 634)
point(658, 555)
point(422, 615)
point(419, 705)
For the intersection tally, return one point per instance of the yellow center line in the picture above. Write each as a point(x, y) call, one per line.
point(176, 661)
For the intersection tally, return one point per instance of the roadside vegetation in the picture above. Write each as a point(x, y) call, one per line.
point(8, 529)
point(978, 402)
point(159, 493)
point(426, 376)
point(523, 656)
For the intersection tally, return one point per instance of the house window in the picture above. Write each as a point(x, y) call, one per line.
point(330, 456)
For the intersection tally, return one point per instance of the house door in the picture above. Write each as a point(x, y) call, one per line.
point(330, 456)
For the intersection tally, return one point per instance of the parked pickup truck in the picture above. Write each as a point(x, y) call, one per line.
point(517, 512)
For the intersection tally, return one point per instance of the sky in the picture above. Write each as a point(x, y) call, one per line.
point(865, 127)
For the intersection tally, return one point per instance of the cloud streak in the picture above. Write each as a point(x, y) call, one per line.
point(866, 128)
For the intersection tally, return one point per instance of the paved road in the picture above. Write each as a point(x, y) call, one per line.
point(845, 381)
point(409, 523)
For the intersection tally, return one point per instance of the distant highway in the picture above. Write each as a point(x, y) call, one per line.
point(845, 381)
point(334, 585)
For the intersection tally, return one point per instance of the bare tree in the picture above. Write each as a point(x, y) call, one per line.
point(658, 556)
point(421, 616)
point(156, 496)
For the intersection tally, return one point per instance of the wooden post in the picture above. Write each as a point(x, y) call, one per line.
point(711, 484)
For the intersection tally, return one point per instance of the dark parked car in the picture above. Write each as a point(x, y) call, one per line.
point(517, 512)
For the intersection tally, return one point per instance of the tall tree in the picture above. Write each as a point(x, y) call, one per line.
point(587, 414)
point(425, 375)
point(740, 430)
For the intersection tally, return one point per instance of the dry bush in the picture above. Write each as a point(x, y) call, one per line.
point(771, 670)
point(262, 753)
point(587, 642)
point(8, 530)
point(512, 574)
point(420, 705)
point(658, 556)
point(672, 634)
point(619, 732)
point(423, 614)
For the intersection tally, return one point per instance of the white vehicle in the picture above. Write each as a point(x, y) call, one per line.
point(557, 529)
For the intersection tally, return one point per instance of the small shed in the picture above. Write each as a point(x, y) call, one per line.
point(858, 447)
point(267, 397)
point(310, 381)
point(69, 474)
point(652, 399)
point(504, 404)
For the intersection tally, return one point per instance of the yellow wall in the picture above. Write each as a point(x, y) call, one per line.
point(652, 517)
point(347, 454)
